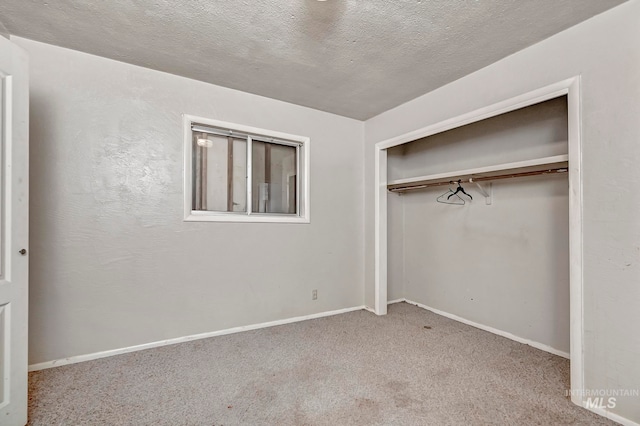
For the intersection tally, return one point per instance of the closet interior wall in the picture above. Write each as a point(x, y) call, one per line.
point(504, 265)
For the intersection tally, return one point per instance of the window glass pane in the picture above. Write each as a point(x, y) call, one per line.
point(274, 169)
point(219, 173)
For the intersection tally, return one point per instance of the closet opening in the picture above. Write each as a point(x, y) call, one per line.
point(479, 218)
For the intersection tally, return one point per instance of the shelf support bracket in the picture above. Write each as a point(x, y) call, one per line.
point(487, 191)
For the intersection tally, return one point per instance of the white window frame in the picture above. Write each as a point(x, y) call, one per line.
point(303, 208)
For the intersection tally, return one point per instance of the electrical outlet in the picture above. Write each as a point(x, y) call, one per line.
point(314, 295)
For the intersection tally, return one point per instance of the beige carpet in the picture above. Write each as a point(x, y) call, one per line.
point(411, 367)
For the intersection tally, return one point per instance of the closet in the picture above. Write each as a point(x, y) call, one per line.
point(499, 256)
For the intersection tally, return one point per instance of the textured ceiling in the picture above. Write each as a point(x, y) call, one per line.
point(355, 58)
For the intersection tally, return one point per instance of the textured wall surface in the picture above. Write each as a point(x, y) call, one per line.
point(112, 262)
point(604, 51)
point(353, 58)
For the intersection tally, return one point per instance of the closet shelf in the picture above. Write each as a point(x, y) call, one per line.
point(537, 166)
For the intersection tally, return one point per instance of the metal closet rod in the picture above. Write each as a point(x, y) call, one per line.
point(480, 179)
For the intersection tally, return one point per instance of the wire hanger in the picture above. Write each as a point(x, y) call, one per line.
point(448, 197)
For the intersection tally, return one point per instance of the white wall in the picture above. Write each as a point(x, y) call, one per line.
point(504, 265)
point(604, 51)
point(395, 247)
point(112, 262)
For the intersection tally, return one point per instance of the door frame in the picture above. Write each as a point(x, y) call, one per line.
point(572, 89)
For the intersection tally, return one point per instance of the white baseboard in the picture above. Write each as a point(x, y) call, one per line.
point(506, 334)
point(612, 416)
point(112, 352)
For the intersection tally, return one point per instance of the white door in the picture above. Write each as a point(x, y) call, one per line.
point(14, 201)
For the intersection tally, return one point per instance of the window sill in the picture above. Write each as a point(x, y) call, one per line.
point(197, 216)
